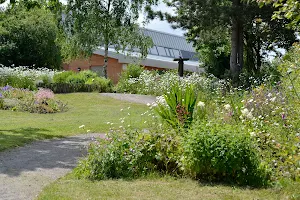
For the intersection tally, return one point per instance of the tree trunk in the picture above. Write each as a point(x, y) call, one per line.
point(258, 57)
point(105, 60)
point(237, 45)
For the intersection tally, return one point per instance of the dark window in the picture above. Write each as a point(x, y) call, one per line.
point(176, 53)
point(153, 50)
point(172, 53)
point(186, 54)
point(168, 52)
point(161, 51)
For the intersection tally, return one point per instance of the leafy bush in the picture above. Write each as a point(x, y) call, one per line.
point(76, 78)
point(132, 71)
point(129, 154)
point(222, 152)
point(62, 77)
point(84, 81)
point(18, 82)
point(42, 101)
point(100, 84)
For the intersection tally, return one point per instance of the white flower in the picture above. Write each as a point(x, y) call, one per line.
point(252, 134)
point(121, 109)
point(82, 126)
point(273, 99)
point(227, 107)
point(148, 104)
point(88, 131)
point(201, 104)
point(161, 101)
point(246, 113)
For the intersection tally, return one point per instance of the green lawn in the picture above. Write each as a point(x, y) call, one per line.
point(158, 188)
point(89, 109)
point(94, 111)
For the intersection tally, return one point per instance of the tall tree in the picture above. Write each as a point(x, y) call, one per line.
point(237, 15)
point(28, 38)
point(107, 23)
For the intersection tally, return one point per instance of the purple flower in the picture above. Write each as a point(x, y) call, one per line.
point(1, 96)
point(6, 88)
point(283, 116)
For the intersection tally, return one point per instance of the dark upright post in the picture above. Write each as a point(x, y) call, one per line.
point(180, 65)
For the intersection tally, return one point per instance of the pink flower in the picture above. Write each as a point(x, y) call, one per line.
point(44, 94)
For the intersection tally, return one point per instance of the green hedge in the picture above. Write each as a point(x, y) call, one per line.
point(77, 87)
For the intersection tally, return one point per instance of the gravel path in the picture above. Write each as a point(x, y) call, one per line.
point(24, 171)
point(135, 98)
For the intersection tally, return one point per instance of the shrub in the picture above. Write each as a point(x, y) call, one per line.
point(132, 71)
point(84, 81)
point(100, 84)
point(222, 152)
point(129, 154)
point(76, 78)
point(62, 77)
point(42, 101)
point(18, 82)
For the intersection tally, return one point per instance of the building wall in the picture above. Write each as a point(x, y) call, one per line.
point(114, 68)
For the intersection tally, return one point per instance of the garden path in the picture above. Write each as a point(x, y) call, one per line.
point(24, 171)
point(134, 98)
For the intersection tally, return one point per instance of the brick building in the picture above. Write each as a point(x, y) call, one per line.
point(166, 48)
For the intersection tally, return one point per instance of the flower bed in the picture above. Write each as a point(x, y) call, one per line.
point(40, 101)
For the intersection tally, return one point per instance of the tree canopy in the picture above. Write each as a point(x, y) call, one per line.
point(29, 38)
point(105, 23)
point(288, 9)
point(246, 28)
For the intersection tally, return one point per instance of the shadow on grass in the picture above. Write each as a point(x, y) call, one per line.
point(18, 137)
point(42, 155)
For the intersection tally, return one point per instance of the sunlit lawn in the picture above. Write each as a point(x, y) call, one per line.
point(89, 109)
point(159, 188)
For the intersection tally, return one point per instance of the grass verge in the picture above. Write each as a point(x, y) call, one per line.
point(89, 109)
point(165, 188)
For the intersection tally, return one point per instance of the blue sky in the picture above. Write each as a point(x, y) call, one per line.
point(155, 24)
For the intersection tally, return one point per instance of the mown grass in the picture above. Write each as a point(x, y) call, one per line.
point(89, 109)
point(165, 188)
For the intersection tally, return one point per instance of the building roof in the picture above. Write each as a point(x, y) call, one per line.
point(166, 48)
point(169, 40)
point(151, 60)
